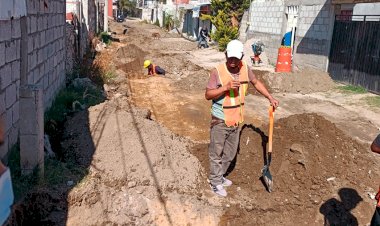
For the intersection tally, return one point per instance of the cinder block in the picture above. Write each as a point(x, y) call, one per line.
point(5, 30)
point(2, 103)
point(40, 24)
point(10, 95)
point(2, 54)
point(325, 14)
point(18, 48)
point(33, 59)
point(16, 30)
point(13, 134)
point(11, 51)
point(15, 70)
point(8, 119)
point(42, 38)
point(5, 76)
point(30, 78)
point(33, 24)
point(46, 81)
point(40, 56)
point(37, 74)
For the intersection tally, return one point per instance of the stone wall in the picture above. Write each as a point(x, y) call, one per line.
point(32, 52)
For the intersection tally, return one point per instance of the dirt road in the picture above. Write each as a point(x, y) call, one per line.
point(146, 147)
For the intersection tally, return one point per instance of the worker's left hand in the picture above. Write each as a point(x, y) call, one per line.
point(274, 102)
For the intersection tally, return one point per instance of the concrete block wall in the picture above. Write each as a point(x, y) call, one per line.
point(266, 17)
point(44, 48)
point(313, 36)
point(46, 26)
point(266, 24)
point(10, 40)
point(313, 33)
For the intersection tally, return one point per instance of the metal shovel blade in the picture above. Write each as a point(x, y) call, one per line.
point(267, 176)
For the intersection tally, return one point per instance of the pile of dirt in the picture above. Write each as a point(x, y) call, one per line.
point(139, 172)
point(319, 173)
point(306, 81)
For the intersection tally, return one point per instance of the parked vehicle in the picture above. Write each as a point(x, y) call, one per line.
point(120, 18)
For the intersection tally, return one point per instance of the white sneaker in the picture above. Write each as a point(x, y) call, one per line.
point(226, 182)
point(219, 190)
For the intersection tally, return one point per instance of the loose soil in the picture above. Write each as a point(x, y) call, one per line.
point(146, 146)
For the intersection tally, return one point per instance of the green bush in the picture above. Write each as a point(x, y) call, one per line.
point(157, 23)
point(169, 22)
point(105, 37)
point(224, 31)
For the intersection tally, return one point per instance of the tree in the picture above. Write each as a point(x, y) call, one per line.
point(226, 15)
point(127, 5)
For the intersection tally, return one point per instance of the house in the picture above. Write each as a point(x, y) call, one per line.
point(187, 11)
point(317, 37)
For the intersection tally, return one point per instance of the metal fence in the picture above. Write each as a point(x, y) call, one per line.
point(355, 51)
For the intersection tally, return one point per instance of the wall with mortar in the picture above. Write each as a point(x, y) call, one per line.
point(40, 37)
point(268, 23)
point(313, 35)
point(266, 20)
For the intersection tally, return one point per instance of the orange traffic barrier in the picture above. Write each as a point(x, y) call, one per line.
point(284, 60)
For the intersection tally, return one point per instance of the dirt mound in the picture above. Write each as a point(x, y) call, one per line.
point(318, 173)
point(306, 81)
point(140, 172)
point(130, 59)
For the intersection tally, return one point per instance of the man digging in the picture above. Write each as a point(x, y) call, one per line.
point(227, 87)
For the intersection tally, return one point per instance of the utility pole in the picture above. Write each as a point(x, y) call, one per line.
point(106, 15)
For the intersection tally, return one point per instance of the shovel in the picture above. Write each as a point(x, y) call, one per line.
point(266, 176)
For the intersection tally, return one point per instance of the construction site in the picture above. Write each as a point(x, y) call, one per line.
point(145, 147)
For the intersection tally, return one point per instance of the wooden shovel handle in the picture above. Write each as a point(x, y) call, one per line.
point(271, 120)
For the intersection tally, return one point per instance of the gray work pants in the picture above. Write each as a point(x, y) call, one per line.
point(222, 150)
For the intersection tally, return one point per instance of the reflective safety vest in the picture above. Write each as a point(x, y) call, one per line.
point(153, 71)
point(233, 103)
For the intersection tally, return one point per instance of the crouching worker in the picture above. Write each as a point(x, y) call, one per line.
point(153, 69)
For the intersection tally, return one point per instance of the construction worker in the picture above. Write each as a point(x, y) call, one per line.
point(153, 69)
point(227, 86)
point(375, 147)
point(6, 192)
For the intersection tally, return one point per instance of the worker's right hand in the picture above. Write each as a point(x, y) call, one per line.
point(232, 85)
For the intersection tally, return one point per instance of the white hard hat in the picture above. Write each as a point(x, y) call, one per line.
point(235, 49)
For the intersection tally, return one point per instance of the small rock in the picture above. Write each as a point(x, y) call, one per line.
point(227, 205)
point(371, 195)
point(117, 95)
point(331, 179)
point(70, 183)
point(238, 189)
point(146, 182)
point(296, 148)
point(132, 184)
point(302, 162)
point(249, 208)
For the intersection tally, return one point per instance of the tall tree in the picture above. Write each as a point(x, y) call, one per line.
point(226, 15)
